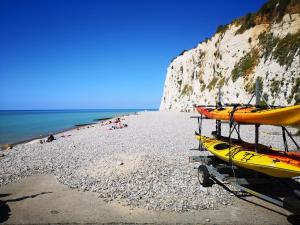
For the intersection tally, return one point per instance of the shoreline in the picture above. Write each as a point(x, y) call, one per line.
point(13, 144)
point(44, 136)
point(74, 127)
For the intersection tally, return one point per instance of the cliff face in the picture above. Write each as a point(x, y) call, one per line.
point(264, 45)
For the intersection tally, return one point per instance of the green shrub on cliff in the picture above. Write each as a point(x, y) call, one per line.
point(250, 87)
point(295, 92)
point(187, 90)
point(267, 42)
point(222, 28)
point(274, 87)
point(179, 82)
point(203, 87)
point(212, 83)
point(221, 82)
point(287, 48)
point(245, 66)
point(274, 9)
point(283, 50)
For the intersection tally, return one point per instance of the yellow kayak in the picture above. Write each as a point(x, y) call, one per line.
point(284, 116)
point(271, 162)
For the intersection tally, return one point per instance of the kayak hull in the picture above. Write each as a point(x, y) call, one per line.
point(270, 162)
point(285, 116)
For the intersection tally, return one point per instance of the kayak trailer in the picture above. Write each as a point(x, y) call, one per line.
point(213, 170)
point(283, 192)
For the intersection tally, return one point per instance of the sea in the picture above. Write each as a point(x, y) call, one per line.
point(21, 125)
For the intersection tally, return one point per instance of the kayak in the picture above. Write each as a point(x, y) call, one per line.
point(268, 161)
point(284, 116)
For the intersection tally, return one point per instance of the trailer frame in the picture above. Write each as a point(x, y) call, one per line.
point(211, 168)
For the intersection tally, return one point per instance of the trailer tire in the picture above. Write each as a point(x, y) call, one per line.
point(292, 203)
point(204, 176)
point(214, 161)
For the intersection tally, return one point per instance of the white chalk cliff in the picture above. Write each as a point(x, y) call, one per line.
point(263, 45)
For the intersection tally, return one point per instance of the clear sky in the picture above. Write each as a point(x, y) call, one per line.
point(94, 54)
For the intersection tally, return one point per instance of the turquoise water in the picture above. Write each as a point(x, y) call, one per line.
point(19, 125)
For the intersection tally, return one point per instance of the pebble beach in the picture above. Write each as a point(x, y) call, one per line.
point(144, 165)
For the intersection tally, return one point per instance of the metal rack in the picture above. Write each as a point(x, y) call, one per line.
point(214, 169)
point(211, 171)
point(235, 126)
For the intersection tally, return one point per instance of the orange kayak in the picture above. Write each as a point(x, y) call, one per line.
point(284, 116)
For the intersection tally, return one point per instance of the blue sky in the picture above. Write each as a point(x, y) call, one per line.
point(99, 54)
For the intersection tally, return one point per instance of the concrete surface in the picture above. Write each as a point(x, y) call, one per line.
point(41, 199)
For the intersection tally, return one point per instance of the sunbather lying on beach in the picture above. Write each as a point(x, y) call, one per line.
point(118, 126)
point(106, 123)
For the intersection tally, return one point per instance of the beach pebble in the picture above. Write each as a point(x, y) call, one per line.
point(120, 163)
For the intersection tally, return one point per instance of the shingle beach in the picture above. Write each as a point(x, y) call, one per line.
point(143, 165)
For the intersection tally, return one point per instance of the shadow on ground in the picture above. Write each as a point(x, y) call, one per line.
point(5, 211)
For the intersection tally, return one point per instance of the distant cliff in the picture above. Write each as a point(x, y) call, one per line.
point(264, 45)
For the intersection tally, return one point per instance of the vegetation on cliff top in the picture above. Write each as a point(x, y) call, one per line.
point(222, 28)
point(271, 11)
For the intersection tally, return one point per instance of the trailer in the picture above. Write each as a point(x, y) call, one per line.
point(284, 192)
point(213, 170)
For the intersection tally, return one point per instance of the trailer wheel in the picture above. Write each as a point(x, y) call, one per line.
point(204, 176)
point(292, 204)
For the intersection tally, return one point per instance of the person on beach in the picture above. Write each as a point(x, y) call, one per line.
point(106, 123)
point(118, 126)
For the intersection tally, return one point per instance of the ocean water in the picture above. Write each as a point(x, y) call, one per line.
point(20, 125)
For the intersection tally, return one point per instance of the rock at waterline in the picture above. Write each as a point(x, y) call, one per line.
point(6, 146)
